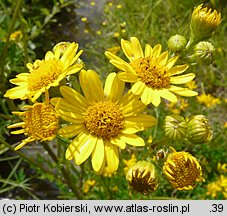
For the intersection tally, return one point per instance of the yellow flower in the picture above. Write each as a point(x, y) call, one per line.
point(40, 122)
point(191, 85)
point(84, 19)
point(129, 163)
point(218, 186)
point(151, 72)
point(46, 73)
point(114, 49)
point(222, 168)
point(177, 107)
point(142, 177)
point(204, 22)
point(15, 36)
point(208, 100)
point(182, 170)
point(102, 120)
point(88, 185)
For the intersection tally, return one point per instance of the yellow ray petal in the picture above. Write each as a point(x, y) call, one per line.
point(164, 93)
point(141, 121)
point(23, 143)
point(74, 69)
point(115, 59)
point(18, 92)
point(148, 50)
point(71, 117)
point(178, 69)
point(127, 49)
point(133, 139)
point(85, 149)
point(19, 124)
point(132, 108)
point(74, 97)
point(156, 100)
point(49, 56)
point(128, 77)
point(182, 91)
point(71, 130)
point(116, 88)
point(63, 104)
point(18, 131)
point(162, 59)
point(147, 95)
point(97, 156)
point(182, 79)
point(118, 142)
point(112, 156)
point(171, 62)
point(137, 49)
point(138, 88)
point(91, 85)
point(156, 51)
point(73, 146)
point(123, 66)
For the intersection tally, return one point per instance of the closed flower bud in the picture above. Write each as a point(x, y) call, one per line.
point(182, 170)
point(203, 52)
point(142, 177)
point(198, 130)
point(177, 43)
point(175, 127)
point(204, 22)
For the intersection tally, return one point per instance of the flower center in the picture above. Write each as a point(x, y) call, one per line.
point(151, 73)
point(186, 172)
point(44, 74)
point(41, 122)
point(104, 119)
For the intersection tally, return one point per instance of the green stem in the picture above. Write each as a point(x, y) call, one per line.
point(22, 155)
point(5, 48)
point(64, 172)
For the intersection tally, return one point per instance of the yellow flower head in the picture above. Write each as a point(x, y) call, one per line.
point(208, 100)
point(217, 187)
point(204, 22)
point(222, 168)
point(142, 177)
point(46, 73)
point(40, 122)
point(182, 170)
point(129, 163)
point(15, 36)
point(152, 72)
point(102, 120)
point(88, 185)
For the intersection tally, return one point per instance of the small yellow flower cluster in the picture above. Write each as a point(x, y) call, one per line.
point(217, 187)
point(129, 163)
point(88, 185)
point(208, 100)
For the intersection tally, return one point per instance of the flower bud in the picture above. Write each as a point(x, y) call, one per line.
point(177, 43)
point(182, 170)
point(204, 22)
point(175, 127)
point(142, 177)
point(203, 52)
point(198, 130)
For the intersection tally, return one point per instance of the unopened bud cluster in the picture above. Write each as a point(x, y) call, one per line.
point(196, 130)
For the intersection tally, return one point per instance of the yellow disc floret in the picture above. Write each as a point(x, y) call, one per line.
point(151, 73)
point(104, 119)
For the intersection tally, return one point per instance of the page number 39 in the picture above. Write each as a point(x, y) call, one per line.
point(217, 208)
